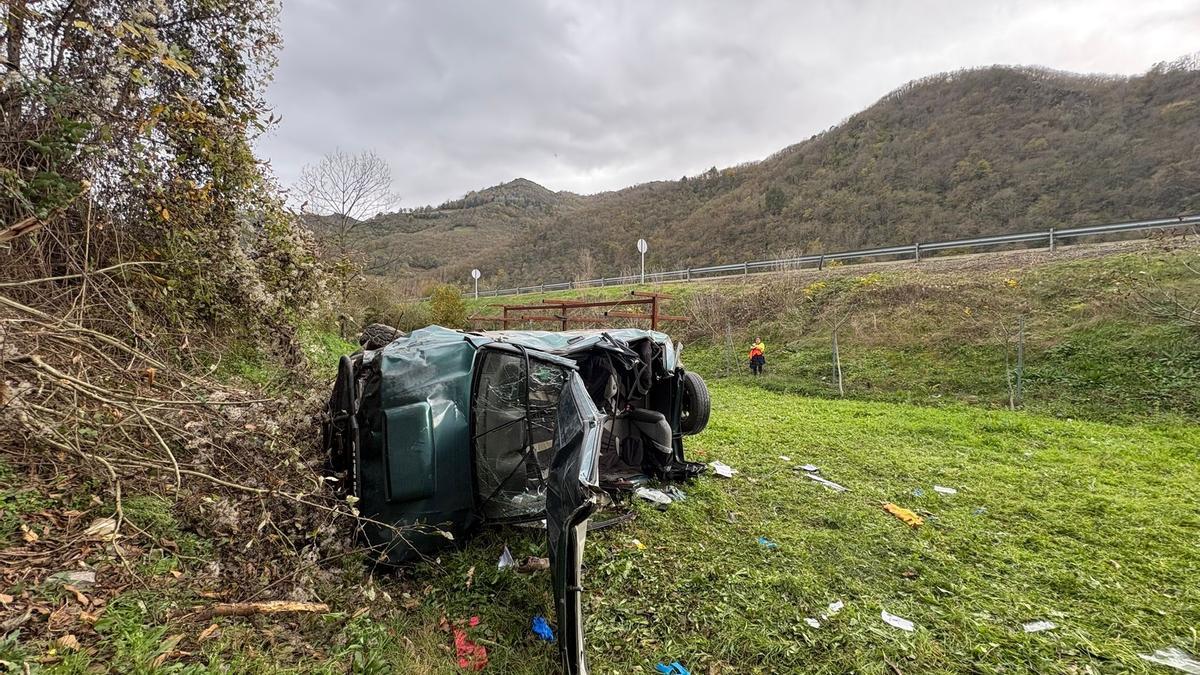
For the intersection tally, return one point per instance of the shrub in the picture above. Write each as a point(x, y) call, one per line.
point(446, 307)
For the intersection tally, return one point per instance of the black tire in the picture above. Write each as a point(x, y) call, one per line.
point(693, 415)
point(377, 335)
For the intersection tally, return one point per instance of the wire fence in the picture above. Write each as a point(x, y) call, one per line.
point(1052, 238)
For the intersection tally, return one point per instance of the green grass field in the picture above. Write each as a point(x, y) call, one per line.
point(1091, 526)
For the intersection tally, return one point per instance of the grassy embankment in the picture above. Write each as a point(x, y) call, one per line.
point(939, 333)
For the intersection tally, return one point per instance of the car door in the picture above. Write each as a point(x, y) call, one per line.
point(573, 490)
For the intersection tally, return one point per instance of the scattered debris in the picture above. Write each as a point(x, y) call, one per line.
point(944, 490)
point(1038, 626)
point(208, 633)
point(68, 642)
point(834, 607)
point(896, 622)
point(785, 458)
point(470, 655)
point(657, 497)
point(73, 577)
point(675, 493)
point(810, 468)
point(722, 469)
point(767, 543)
point(731, 516)
point(506, 559)
point(1173, 657)
point(542, 629)
point(979, 510)
point(533, 564)
point(637, 544)
point(101, 528)
point(265, 607)
point(827, 483)
point(918, 492)
point(812, 622)
point(908, 517)
point(676, 668)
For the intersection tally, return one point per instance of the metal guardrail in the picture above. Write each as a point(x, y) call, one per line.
point(1053, 237)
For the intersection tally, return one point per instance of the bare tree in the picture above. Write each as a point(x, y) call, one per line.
point(347, 191)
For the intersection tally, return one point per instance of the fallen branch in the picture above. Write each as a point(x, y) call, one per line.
point(27, 226)
point(67, 277)
point(265, 607)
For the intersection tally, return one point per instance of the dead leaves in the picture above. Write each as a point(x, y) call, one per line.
point(101, 528)
point(79, 596)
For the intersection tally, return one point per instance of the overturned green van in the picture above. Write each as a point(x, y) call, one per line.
point(441, 432)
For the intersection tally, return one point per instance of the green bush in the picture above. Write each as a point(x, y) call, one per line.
point(446, 307)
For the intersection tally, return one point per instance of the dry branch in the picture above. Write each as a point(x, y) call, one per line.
point(265, 607)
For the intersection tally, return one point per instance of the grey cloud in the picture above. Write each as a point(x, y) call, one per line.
point(461, 95)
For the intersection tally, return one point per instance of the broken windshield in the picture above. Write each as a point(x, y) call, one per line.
point(516, 402)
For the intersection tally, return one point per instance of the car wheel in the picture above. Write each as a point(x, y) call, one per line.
point(693, 416)
point(377, 335)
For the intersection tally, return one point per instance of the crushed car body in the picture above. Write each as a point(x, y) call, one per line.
point(441, 432)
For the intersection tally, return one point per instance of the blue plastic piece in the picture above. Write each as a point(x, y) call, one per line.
point(542, 629)
point(767, 543)
point(676, 668)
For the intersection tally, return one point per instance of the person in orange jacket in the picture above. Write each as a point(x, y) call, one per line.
point(758, 356)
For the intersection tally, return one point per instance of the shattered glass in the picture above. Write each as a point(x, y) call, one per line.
point(515, 408)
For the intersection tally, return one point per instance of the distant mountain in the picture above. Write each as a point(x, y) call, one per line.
point(976, 151)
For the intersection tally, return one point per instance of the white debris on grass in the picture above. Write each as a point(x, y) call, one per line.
point(1039, 626)
point(812, 622)
point(785, 458)
point(827, 483)
point(810, 468)
point(506, 560)
point(944, 490)
point(835, 607)
point(652, 495)
point(896, 622)
point(1174, 657)
point(722, 469)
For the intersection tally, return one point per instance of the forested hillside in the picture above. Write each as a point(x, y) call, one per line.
point(976, 151)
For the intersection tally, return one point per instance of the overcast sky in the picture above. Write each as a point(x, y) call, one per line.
point(598, 95)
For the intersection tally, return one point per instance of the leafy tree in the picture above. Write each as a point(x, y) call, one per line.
point(776, 201)
point(446, 307)
point(127, 131)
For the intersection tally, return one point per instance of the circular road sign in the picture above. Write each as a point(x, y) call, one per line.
point(641, 245)
point(475, 274)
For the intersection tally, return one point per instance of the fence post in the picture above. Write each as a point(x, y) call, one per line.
point(745, 269)
point(1052, 240)
point(821, 262)
point(917, 251)
point(687, 274)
